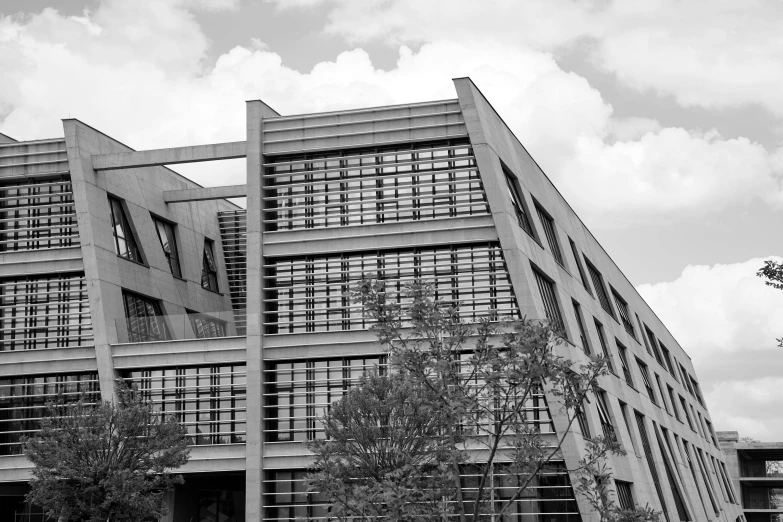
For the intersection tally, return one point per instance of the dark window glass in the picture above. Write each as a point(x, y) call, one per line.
point(124, 242)
point(624, 495)
point(169, 244)
point(603, 414)
point(44, 311)
point(640, 422)
point(666, 357)
point(581, 419)
point(581, 270)
point(23, 403)
point(687, 415)
point(582, 331)
point(309, 293)
point(712, 433)
point(517, 201)
point(696, 391)
point(205, 326)
point(679, 502)
point(625, 315)
point(621, 350)
point(641, 333)
point(550, 233)
point(209, 401)
point(673, 402)
point(600, 290)
point(209, 267)
point(549, 297)
point(220, 506)
point(37, 214)
point(372, 185)
point(604, 347)
point(647, 383)
point(654, 345)
point(145, 319)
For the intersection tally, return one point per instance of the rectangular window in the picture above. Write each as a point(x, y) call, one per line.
point(673, 402)
point(624, 495)
point(205, 326)
point(600, 290)
point(209, 267)
point(641, 334)
point(582, 331)
point(550, 233)
point(624, 411)
point(687, 415)
point(549, 297)
point(679, 501)
point(685, 379)
point(666, 357)
point(625, 315)
point(727, 481)
point(653, 345)
point(581, 419)
point(640, 422)
point(697, 421)
point(705, 478)
point(124, 243)
point(145, 319)
point(621, 350)
point(517, 201)
point(603, 414)
point(712, 433)
point(696, 391)
point(579, 267)
point(168, 243)
point(604, 347)
point(663, 395)
point(647, 383)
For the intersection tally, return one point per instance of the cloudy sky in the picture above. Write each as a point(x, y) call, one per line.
point(659, 120)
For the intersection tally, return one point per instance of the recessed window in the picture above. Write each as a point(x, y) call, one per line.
point(604, 347)
point(579, 268)
point(663, 396)
point(653, 345)
point(600, 290)
point(621, 350)
point(549, 297)
point(145, 319)
point(518, 203)
point(687, 415)
point(673, 402)
point(124, 243)
point(625, 315)
point(581, 419)
point(550, 233)
point(205, 326)
point(582, 331)
point(624, 495)
point(666, 357)
point(209, 267)
point(168, 242)
point(647, 383)
point(603, 414)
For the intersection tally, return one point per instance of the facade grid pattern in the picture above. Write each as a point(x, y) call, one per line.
point(233, 235)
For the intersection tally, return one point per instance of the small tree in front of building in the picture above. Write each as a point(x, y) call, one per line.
point(772, 273)
point(109, 461)
point(482, 409)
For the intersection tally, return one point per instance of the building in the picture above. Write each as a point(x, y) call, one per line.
point(756, 469)
point(113, 266)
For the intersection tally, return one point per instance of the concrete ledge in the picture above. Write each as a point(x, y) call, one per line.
point(15, 468)
point(203, 194)
point(219, 457)
point(42, 261)
point(158, 157)
point(175, 353)
point(48, 360)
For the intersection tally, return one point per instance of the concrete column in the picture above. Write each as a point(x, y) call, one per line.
point(254, 449)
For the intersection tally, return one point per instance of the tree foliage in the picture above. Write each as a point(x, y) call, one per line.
point(772, 272)
point(473, 385)
point(105, 462)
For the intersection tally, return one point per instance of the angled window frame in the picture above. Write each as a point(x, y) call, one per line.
point(209, 272)
point(600, 289)
point(622, 351)
point(518, 202)
point(625, 313)
point(170, 247)
point(550, 231)
point(126, 244)
point(582, 330)
point(648, 385)
point(599, 328)
point(145, 318)
point(548, 292)
point(579, 267)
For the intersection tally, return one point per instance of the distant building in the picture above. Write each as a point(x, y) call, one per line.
point(756, 468)
point(235, 321)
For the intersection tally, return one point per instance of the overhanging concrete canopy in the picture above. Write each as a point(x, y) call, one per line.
point(203, 194)
point(172, 156)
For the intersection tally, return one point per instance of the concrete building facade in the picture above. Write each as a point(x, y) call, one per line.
point(113, 266)
point(756, 469)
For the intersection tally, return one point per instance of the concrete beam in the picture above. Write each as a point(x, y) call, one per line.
point(206, 193)
point(157, 157)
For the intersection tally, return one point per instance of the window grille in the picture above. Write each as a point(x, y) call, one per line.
point(621, 350)
point(205, 326)
point(209, 401)
point(144, 318)
point(600, 290)
point(704, 477)
point(647, 383)
point(603, 414)
point(310, 293)
point(23, 403)
point(233, 235)
point(640, 422)
point(582, 331)
point(551, 234)
point(581, 270)
point(168, 242)
point(625, 315)
point(549, 298)
point(604, 347)
point(37, 214)
point(408, 182)
point(44, 311)
point(209, 267)
point(124, 242)
point(679, 502)
point(624, 495)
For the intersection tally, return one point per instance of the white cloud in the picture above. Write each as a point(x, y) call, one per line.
point(727, 320)
point(136, 71)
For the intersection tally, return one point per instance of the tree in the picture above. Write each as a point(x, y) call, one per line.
point(105, 462)
point(483, 400)
point(772, 271)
